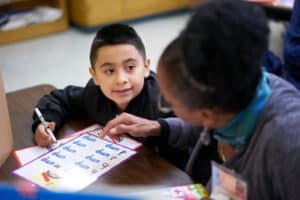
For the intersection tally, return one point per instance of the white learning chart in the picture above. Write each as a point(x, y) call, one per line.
point(28, 154)
point(75, 164)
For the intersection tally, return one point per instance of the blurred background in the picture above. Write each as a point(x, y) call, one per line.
point(49, 41)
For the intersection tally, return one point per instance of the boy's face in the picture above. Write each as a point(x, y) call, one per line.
point(119, 71)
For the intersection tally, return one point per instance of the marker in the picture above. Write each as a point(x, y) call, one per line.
point(45, 124)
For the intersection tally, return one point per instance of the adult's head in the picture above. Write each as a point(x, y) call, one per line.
point(214, 66)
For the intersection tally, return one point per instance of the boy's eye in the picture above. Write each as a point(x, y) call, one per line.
point(130, 68)
point(108, 71)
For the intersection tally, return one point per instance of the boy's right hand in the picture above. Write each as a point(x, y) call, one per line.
point(42, 138)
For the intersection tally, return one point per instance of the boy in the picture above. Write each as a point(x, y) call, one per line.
point(121, 82)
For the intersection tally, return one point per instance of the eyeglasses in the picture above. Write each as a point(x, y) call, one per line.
point(163, 105)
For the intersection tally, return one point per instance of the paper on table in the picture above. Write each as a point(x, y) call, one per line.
point(25, 155)
point(75, 164)
point(124, 140)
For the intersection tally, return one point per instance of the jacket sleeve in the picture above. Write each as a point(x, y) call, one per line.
point(292, 47)
point(179, 134)
point(60, 105)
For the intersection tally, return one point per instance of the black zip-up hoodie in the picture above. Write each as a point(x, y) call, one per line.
point(90, 103)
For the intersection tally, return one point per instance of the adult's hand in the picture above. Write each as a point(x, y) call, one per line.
point(129, 124)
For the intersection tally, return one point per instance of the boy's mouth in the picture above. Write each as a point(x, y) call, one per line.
point(122, 91)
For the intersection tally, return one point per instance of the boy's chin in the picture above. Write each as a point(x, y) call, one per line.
point(122, 105)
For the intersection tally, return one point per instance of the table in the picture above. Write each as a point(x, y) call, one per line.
point(145, 168)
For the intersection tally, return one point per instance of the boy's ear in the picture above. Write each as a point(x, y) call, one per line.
point(93, 74)
point(147, 68)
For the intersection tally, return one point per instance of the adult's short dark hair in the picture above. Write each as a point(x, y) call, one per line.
point(115, 34)
point(221, 50)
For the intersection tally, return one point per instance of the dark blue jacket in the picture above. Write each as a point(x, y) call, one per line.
point(290, 69)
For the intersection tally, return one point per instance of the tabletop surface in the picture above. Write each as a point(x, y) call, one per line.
point(145, 168)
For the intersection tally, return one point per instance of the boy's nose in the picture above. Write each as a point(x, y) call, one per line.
point(121, 78)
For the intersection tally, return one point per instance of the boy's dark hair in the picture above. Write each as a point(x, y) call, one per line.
point(115, 34)
point(221, 50)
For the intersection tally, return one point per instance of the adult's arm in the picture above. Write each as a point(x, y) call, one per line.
point(178, 133)
point(172, 130)
point(132, 125)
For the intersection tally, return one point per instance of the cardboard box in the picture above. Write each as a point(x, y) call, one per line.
point(34, 30)
point(91, 13)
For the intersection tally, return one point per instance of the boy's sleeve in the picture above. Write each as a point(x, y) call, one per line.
point(60, 105)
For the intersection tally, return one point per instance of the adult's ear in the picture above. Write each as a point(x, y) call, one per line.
point(217, 118)
point(147, 68)
point(209, 117)
point(93, 75)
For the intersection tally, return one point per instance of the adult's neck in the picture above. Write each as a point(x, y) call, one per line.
point(223, 118)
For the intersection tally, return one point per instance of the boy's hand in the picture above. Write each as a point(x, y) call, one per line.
point(132, 125)
point(42, 138)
